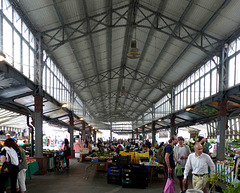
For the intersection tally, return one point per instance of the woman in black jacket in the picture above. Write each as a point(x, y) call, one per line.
point(10, 154)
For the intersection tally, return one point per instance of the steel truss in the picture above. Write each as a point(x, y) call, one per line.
point(115, 73)
point(56, 37)
point(115, 94)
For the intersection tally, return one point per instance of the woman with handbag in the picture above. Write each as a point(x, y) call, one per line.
point(10, 162)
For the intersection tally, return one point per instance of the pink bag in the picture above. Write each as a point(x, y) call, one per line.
point(169, 187)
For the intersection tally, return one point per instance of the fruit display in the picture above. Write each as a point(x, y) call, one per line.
point(30, 159)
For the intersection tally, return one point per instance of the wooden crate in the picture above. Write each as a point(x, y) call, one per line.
point(101, 166)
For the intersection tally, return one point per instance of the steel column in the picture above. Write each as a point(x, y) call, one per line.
point(38, 119)
point(153, 133)
point(173, 127)
point(83, 131)
point(111, 132)
point(221, 128)
point(143, 133)
point(71, 127)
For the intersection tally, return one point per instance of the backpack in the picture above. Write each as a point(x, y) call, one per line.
point(160, 155)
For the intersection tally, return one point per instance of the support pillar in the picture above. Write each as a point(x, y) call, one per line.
point(132, 134)
point(173, 127)
point(71, 128)
point(221, 128)
point(95, 135)
point(111, 132)
point(153, 133)
point(90, 133)
point(137, 133)
point(222, 113)
point(38, 120)
point(143, 133)
point(83, 131)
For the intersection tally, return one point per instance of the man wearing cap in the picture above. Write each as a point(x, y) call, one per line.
point(199, 163)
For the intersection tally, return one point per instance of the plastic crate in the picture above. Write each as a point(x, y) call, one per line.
point(94, 160)
point(113, 179)
point(114, 171)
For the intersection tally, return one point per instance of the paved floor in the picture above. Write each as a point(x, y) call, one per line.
point(72, 181)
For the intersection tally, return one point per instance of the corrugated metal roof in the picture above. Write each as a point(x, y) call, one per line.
point(153, 62)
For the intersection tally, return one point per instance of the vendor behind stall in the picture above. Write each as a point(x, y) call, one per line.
point(145, 148)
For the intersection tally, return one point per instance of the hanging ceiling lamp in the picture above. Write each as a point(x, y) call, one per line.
point(134, 53)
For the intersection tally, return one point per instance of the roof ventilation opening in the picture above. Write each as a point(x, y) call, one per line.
point(133, 54)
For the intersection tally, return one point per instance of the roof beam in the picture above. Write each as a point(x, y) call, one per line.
point(130, 23)
point(110, 58)
point(167, 44)
point(95, 63)
point(115, 73)
point(195, 37)
point(144, 49)
point(70, 42)
point(114, 94)
point(56, 37)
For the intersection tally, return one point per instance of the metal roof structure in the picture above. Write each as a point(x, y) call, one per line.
point(91, 40)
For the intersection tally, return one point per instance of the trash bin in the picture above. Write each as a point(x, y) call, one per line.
point(194, 191)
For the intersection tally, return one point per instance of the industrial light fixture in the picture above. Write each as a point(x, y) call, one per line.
point(64, 105)
point(189, 109)
point(81, 118)
point(146, 125)
point(161, 119)
point(2, 56)
point(133, 53)
point(89, 124)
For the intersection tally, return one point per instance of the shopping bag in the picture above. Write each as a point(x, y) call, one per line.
point(169, 187)
point(6, 167)
point(178, 170)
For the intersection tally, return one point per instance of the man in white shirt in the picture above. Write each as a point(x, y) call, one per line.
point(199, 163)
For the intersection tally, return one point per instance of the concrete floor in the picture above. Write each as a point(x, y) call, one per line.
point(72, 181)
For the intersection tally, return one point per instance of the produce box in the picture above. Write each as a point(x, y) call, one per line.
point(101, 166)
point(84, 151)
point(140, 155)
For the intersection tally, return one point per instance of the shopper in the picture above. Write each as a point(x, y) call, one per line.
point(67, 152)
point(23, 166)
point(199, 163)
point(202, 141)
point(90, 145)
point(9, 154)
point(181, 153)
point(169, 164)
point(236, 167)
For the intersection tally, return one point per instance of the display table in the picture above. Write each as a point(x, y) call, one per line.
point(51, 163)
point(225, 171)
point(32, 169)
point(151, 168)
